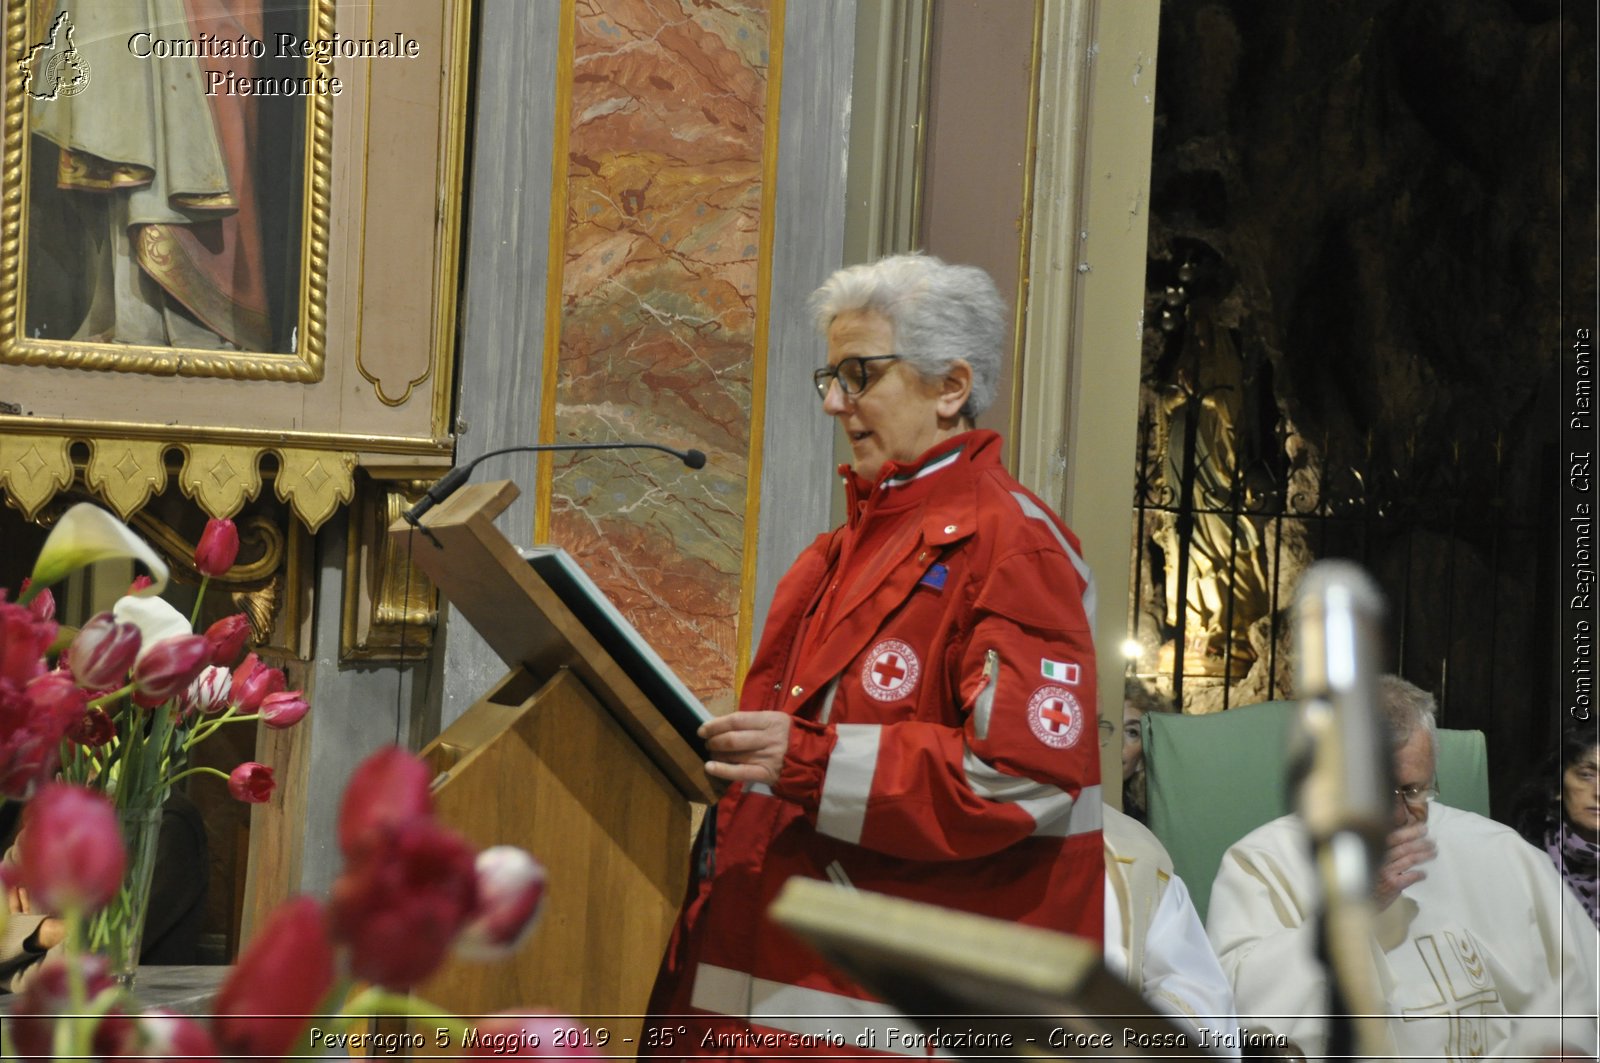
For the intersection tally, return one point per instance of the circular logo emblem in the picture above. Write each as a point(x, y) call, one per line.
point(1055, 717)
point(68, 72)
point(891, 671)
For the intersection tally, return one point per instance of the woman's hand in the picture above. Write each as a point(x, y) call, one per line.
point(748, 746)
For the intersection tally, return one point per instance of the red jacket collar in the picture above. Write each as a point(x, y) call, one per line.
point(927, 477)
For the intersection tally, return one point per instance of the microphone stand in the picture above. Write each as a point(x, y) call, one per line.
point(1346, 798)
point(451, 482)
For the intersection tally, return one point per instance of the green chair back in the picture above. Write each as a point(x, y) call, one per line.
point(1210, 780)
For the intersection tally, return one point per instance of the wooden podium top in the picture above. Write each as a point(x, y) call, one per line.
point(527, 625)
point(1018, 990)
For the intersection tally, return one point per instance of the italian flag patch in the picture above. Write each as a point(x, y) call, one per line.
point(1059, 671)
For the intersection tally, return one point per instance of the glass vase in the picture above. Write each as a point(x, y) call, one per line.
point(117, 930)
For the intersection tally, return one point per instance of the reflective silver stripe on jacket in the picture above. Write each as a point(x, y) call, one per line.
point(795, 1009)
point(1031, 509)
point(1055, 813)
point(842, 808)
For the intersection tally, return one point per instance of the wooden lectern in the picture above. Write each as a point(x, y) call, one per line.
point(567, 759)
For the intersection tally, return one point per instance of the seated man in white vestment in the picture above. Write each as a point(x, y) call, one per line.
point(1154, 939)
point(1480, 948)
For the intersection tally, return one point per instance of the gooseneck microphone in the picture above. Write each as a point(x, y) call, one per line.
point(451, 482)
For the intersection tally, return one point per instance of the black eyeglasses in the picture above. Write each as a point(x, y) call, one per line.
point(851, 373)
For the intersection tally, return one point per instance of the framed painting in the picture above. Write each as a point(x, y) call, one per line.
point(224, 242)
point(165, 154)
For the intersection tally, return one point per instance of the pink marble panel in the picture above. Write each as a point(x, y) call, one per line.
point(664, 189)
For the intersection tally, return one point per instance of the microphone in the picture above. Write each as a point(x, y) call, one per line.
point(1346, 799)
point(451, 482)
point(1338, 613)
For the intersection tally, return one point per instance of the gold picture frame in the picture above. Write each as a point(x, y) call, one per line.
point(40, 81)
point(367, 380)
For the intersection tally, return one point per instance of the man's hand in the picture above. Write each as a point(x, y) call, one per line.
point(1408, 847)
point(749, 746)
point(49, 933)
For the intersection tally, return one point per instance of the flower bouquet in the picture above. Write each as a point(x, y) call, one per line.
point(118, 706)
point(97, 725)
point(317, 974)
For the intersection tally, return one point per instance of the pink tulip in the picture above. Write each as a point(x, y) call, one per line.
point(43, 605)
point(102, 653)
point(94, 730)
point(70, 852)
point(284, 709)
point(533, 1035)
point(218, 548)
point(56, 697)
point(23, 642)
point(49, 994)
point(284, 973)
point(388, 788)
point(208, 694)
point(251, 783)
point(401, 901)
point(34, 717)
point(139, 584)
point(29, 751)
point(511, 887)
point(169, 666)
point(253, 681)
point(227, 638)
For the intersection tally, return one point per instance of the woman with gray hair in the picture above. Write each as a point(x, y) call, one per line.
point(920, 717)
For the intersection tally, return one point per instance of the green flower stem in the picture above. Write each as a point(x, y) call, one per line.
point(106, 699)
point(208, 728)
point(201, 770)
point(199, 600)
point(71, 1042)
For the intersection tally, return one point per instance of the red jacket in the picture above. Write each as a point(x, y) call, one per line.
point(937, 658)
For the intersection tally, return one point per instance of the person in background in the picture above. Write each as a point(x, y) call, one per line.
point(1479, 948)
point(1559, 812)
point(1154, 939)
point(172, 924)
point(1137, 699)
point(919, 720)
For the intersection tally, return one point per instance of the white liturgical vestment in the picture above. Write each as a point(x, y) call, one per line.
point(1489, 955)
point(1154, 939)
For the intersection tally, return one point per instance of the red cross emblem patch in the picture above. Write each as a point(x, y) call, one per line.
point(891, 671)
point(1055, 717)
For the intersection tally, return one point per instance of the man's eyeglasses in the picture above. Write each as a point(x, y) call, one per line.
point(851, 373)
point(1415, 796)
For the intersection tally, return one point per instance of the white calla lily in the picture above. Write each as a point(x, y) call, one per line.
point(155, 619)
point(86, 534)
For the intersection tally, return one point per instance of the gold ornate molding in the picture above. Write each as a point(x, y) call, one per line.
point(315, 482)
point(220, 478)
point(390, 608)
point(33, 469)
point(127, 473)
